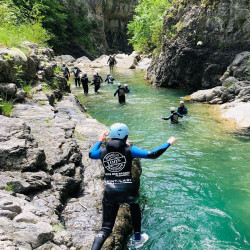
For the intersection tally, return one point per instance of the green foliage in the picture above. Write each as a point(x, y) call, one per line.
point(10, 187)
point(17, 26)
point(146, 28)
point(6, 107)
point(58, 228)
point(27, 88)
point(63, 24)
point(19, 74)
point(7, 57)
point(57, 70)
point(46, 88)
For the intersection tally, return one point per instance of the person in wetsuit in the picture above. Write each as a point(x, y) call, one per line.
point(173, 116)
point(76, 72)
point(97, 81)
point(121, 93)
point(65, 71)
point(127, 90)
point(85, 81)
point(182, 109)
point(119, 188)
point(111, 62)
point(109, 78)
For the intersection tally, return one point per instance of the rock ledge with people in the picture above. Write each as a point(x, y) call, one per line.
point(50, 191)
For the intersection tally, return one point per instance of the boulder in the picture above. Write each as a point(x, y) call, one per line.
point(82, 60)
point(18, 150)
point(20, 94)
point(25, 183)
point(239, 68)
point(8, 89)
point(33, 234)
point(67, 59)
point(240, 113)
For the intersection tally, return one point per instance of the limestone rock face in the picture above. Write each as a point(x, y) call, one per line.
point(204, 40)
point(14, 60)
point(18, 150)
point(234, 94)
point(111, 18)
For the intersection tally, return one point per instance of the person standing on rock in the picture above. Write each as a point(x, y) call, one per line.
point(111, 61)
point(85, 81)
point(182, 109)
point(173, 116)
point(77, 71)
point(119, 188)
point(65, 71)
point(97, 81)
point(121, 93)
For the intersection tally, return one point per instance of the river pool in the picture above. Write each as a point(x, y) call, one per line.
point(197, 194)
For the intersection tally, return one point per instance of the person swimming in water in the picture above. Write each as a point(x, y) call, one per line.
point(121, 93)
point(109, 78)
point(182, 109)
point(173, 116)
point(116, 158)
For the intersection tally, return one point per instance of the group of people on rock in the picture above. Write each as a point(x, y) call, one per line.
point(181, 111)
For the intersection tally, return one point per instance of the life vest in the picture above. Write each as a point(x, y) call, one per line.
point(110, 79)
point(97, 80)
point(117, 162)
point(174, 118)
point(121, 91)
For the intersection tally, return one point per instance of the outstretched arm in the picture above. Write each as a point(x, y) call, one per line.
point(152, 154)
point(166, 118)
point(94, 152)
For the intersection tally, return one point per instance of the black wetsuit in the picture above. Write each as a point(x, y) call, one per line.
point(174, 117)
point(97, 82)
point(117, 159)
point(121, 94)
point(66, 73)
point(85, 81)
point(77, 76)
point(111, 62)
point(182, 110)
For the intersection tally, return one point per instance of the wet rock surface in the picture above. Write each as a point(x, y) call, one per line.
point(234, 93)
point(50, 191)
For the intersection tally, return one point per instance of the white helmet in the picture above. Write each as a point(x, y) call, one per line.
point(108, 74)
point(118, 131)
point(84, 74)
point(118, 84)
point(125, 85)
point(96, 74)
point(172, 109)
point(181, 102)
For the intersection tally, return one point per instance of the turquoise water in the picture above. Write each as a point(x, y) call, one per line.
point(197, 194)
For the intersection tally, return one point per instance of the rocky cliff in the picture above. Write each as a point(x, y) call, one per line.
point(50, 191)
point(111, 18)
point(200, 40)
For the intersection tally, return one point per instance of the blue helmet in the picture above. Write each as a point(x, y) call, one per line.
point(118, 131)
